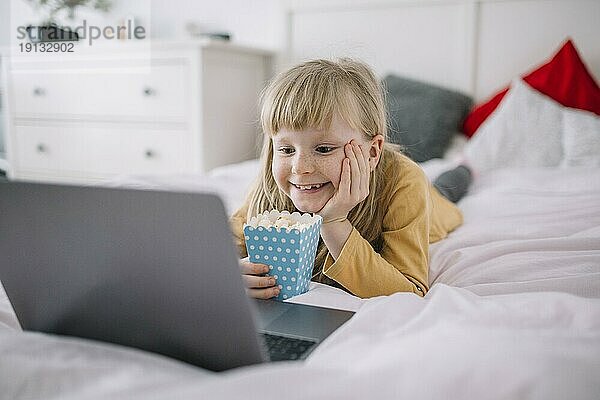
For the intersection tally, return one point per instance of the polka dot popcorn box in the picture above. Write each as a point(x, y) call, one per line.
point(287, 243)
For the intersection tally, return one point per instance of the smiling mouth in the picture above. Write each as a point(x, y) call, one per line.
point(308, 188)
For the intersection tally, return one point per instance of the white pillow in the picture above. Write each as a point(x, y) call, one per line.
point(581, 138)
point(524, 131)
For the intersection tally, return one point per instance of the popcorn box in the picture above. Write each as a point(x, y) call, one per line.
point(287, 243)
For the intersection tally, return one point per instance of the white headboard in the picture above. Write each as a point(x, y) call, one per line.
point(475, 46)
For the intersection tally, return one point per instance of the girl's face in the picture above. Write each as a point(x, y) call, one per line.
point(307, 164)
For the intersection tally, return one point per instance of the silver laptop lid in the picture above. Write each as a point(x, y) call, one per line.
point(148, 269)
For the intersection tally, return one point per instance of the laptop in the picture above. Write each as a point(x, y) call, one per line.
point(154, 270)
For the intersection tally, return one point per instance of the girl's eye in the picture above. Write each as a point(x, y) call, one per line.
point(325, 149)
point(285, 150)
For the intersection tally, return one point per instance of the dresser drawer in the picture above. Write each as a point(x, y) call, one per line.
point(158, 92)
point(101, 152)
point(119, 109)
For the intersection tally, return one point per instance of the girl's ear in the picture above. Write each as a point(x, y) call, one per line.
point(375, 150)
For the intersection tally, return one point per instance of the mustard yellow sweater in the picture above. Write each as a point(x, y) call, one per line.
point(416, 216)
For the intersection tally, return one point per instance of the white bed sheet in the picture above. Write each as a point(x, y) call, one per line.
point(531, 231)
point(451, 344)
point(525, 230)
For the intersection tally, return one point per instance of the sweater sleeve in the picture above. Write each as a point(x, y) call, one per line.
point(402, 265)
point(236, 222)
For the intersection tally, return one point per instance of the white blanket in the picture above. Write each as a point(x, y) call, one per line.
point(452, 344)
point(531, 233)
point(526, 230)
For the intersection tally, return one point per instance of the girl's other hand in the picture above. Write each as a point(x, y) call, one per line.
point(354, 184)
point(258, 284)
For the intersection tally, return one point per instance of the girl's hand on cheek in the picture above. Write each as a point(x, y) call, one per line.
point(353, 187)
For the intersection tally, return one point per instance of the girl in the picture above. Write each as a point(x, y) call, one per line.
point(325, 152)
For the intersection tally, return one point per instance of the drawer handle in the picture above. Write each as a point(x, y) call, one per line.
point(38, 91)
point(148, 91)
point(149, 154)
point(41, 148)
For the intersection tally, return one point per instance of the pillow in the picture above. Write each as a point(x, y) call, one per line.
point(423, 117)
point(581, 139)
point(564, 78)
point(524, 131)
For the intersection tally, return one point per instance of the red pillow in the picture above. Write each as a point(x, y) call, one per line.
point(564, 78)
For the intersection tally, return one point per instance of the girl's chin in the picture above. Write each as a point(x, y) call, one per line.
point(307, 207)
point(308, 210)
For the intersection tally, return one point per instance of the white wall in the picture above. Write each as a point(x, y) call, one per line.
point(515, 32)
point(475, 46)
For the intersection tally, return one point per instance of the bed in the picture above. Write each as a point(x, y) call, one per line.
point(514, 312)
point(514, 305)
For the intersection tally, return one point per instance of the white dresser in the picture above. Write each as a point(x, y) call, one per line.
point(179, 107)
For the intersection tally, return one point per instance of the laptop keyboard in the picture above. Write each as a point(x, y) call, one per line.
point(282, 348)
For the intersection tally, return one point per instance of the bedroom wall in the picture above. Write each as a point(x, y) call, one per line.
point(515, 31)
point(474, 46)
point(424, 32)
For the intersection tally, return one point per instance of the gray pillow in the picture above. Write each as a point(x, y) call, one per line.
point(423, 117)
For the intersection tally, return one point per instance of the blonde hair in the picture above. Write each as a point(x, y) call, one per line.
point(307, 96)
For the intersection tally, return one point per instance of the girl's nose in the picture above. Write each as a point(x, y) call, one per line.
point(302, 165)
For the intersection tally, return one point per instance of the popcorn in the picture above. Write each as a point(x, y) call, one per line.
point(287, 243)
point(282, 221)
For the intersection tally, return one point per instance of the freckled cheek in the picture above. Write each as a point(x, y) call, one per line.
point(280, 171)
point(334, 170)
